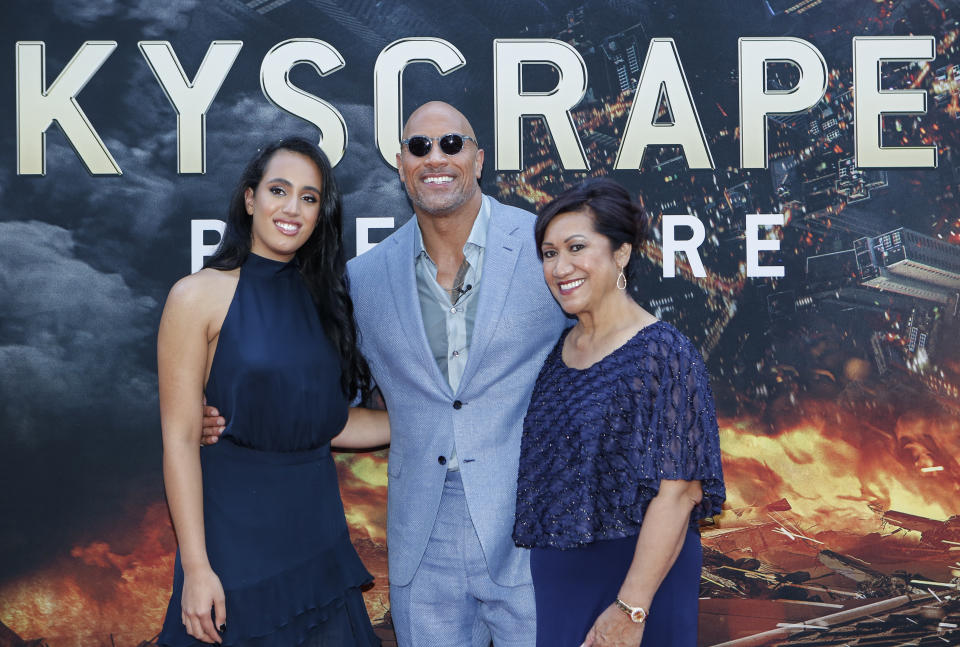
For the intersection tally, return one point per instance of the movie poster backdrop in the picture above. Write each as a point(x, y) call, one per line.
point(795, 157)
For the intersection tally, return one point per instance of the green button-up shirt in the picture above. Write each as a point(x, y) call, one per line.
point(448, 319)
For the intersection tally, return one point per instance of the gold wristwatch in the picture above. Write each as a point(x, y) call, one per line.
point(636, 614)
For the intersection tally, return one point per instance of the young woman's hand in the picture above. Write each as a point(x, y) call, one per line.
point(201, 592)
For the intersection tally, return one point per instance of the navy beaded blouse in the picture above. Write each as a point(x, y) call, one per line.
point(597, 442)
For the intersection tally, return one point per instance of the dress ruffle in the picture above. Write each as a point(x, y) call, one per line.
point(277, 538)
point(316, 603)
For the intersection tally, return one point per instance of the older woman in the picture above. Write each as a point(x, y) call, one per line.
point(620, 455)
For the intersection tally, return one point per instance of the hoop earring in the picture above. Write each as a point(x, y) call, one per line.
point(621, 280)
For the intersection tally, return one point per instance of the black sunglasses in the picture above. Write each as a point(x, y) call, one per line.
point(450, 144)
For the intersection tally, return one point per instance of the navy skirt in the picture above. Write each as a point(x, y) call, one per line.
point(277, 538)
point(574, 586)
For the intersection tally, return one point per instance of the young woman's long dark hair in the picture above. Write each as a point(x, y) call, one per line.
point(321, 259)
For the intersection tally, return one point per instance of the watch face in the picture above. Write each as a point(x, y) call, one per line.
point(636, 614)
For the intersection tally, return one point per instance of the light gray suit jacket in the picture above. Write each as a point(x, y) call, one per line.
point(516, 326)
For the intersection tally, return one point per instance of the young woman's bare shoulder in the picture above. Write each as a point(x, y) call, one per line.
point(205, 292)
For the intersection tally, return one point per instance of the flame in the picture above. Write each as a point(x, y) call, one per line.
point(363, 487)
point(838, 472)
point(95, 591)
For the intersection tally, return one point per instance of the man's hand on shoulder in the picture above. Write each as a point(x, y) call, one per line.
point(213, 425)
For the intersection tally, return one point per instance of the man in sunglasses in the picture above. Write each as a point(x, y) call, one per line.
point(456, 321)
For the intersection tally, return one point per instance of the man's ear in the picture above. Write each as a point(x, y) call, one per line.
point(400, 171)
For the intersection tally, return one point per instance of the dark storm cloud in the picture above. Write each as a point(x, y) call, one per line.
point(162, 17)
point(67, 334)
point(131, 207)
point(85, 13)
point(78, 414)
point(371, 188)
point(159, 17)
point(141, 203)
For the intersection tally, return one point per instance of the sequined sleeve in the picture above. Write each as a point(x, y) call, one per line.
point(684, 443)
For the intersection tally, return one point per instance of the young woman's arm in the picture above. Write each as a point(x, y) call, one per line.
point(182, 344)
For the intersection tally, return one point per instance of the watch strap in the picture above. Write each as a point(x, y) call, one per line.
point(636, 614)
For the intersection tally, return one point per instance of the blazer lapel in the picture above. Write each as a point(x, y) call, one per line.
point(402, 277)
point(501, 254)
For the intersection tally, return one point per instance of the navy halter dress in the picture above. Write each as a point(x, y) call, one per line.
point(275, 528)
point(596, 444)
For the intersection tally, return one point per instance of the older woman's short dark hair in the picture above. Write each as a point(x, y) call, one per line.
point(616, 216)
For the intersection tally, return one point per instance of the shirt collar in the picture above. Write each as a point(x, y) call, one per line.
point(477, 237)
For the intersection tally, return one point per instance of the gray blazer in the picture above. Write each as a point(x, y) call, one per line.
point(517, 324)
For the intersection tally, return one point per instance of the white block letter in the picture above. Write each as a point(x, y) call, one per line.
point(388, 85)
point(191, 99)
point(38, 107)
point(199, 251)
point(512, 104)
point(755, 244)
point(671, 246)
point(662, 76)
point(871, 103)
point(757, 101)
point(364, 225)
point(277, 88)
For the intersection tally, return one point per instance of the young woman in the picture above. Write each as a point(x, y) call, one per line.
point(266, 332)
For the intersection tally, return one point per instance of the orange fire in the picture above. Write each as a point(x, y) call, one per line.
point(830, 476)
point(838, 474)
point(98, 593)
point(363, 486)
point(82, 598)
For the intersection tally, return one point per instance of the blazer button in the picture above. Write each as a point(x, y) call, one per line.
point(457, 404)
point(442, 460)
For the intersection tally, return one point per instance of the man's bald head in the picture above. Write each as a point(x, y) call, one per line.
point(434, 112)
point(441, 184)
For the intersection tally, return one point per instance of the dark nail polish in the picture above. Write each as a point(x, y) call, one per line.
point(223, 628)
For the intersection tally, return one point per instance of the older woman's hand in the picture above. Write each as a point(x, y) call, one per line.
point(614, 629)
